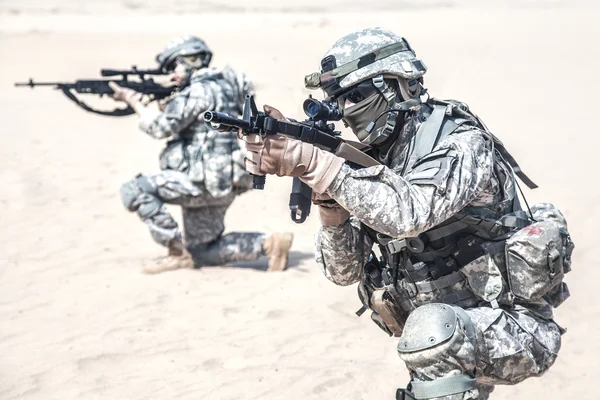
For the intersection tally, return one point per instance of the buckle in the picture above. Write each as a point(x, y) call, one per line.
point(395, 246)
point(378, 81)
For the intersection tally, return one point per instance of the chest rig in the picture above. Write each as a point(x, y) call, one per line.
point(206, 155)
point(430, 268)
point(221, 90)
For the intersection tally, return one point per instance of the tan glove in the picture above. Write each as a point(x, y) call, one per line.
point(127, 95)
point(282, 156)
point(330, 214)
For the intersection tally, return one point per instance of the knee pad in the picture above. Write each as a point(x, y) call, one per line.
point(132, 191)
point(129, 193)
point(437, 340)
point(428, 326)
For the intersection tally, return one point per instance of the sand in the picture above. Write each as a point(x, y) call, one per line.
point(78, 318)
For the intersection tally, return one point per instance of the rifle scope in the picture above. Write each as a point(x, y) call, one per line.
point(322, 110)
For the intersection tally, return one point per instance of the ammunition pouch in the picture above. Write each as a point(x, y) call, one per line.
point(384, 302)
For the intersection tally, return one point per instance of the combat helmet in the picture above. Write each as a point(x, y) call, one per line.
point(362, 55)
point(184, 48)
point(372, 55)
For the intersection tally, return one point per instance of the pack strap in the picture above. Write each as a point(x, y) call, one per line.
point(394, 246)
point(446, 230)
point(425, 144)
point(489, 224)
point(427, 135)
point(514, 165)
point(443, 387)
point(441, 283)
point(457, 298)
point(429, 256)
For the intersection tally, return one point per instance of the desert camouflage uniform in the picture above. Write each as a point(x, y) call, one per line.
point(201, 171)
point(510, 341)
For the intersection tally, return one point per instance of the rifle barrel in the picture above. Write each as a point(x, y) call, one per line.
point(217, 118)
point(32, 84)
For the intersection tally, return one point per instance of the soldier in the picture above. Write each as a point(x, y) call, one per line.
point(201, 170)
point(466, 278)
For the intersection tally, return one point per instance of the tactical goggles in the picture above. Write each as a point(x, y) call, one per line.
point(193, 61)
point(357, 93)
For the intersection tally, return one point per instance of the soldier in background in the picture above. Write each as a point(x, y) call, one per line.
point(201, 170)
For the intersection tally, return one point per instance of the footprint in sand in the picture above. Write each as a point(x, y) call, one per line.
point(212, 363)
point(275, 314)
point(333, 382)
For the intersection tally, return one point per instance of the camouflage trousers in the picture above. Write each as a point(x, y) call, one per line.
point(504, 347)
point(203, 218)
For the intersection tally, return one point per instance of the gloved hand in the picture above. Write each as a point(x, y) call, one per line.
point(127, 95)
point(282, 156)
point(330, 212)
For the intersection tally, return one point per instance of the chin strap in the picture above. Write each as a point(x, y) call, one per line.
point(395, 107)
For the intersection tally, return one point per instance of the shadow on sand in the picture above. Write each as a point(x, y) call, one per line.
point(295, 260)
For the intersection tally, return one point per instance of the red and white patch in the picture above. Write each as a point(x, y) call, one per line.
point(533, 230)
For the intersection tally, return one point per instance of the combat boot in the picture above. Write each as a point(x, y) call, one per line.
point(277, 248)
point(178, 258)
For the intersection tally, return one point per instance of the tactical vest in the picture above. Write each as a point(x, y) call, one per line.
point(463, 261)
point(211, 158)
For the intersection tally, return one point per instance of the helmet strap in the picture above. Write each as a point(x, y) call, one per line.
point(394, 102)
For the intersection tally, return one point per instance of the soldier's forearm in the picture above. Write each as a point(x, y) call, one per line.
point(394, 211)
point(339, 253)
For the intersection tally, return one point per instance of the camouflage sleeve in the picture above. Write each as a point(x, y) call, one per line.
point(338, 253)
point(440, 184)
point(179, 113)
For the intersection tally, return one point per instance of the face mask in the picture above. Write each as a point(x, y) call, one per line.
point(361, 114)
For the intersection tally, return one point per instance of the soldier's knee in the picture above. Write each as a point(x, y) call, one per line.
point(139, 194)
point(434, 330)
point(438, 340)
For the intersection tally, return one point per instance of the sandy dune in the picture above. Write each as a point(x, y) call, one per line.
point(79, 320)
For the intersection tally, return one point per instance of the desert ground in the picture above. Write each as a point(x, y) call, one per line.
point(79, 319)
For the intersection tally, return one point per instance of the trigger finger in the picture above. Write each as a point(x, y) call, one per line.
point(114, 86)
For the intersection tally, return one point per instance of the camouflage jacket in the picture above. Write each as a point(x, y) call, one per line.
point(207, 156)
point(462, 174)
point(405, 206)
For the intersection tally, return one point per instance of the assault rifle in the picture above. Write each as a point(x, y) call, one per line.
point(143, 85)
point(315, 130)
